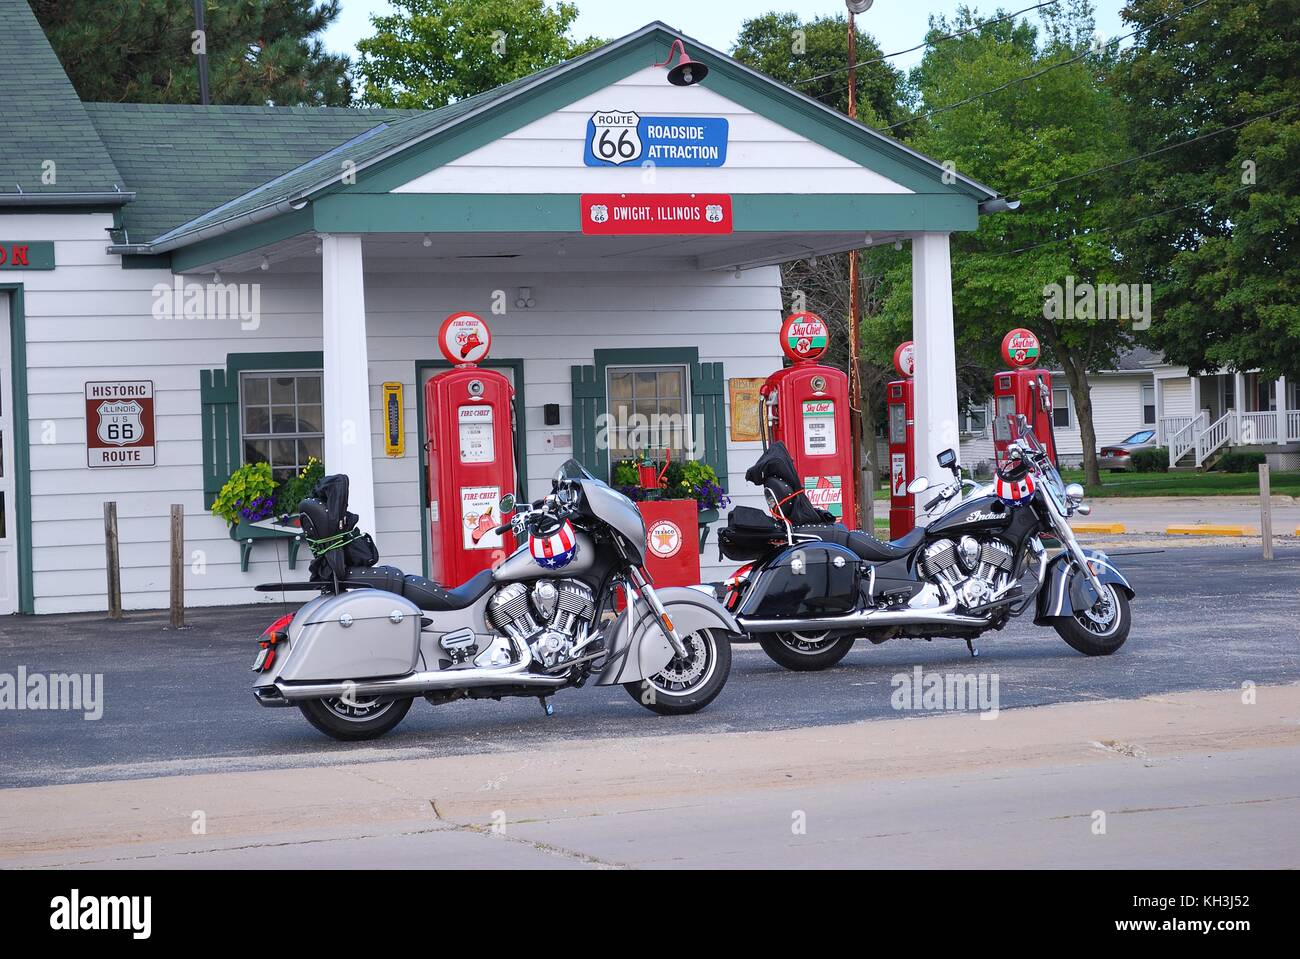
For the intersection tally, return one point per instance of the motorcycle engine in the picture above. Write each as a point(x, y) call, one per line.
point(552, 617)
point(978, 571)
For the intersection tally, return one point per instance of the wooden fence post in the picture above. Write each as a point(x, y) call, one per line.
point(1265, 512)
point(178, 567)
point(112, 563)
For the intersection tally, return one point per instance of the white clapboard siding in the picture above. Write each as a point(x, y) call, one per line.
point(1116, 412)
point(546, 156)
point(91, 320)
point(1176, 396)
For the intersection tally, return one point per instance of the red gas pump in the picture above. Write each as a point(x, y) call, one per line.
point(1022, 390)
point(902, 443)
point(806, 406)
point(471, 454)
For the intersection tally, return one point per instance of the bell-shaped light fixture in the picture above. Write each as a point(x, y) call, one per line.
point(688, 72)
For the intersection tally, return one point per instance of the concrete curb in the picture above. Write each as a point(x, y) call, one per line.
point(1099, 527)
point(1210, 529)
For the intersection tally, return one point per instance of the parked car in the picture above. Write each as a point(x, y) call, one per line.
point(1119, 456)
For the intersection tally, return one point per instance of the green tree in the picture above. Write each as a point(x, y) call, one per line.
point(1030, 134)
point(1225, 259)
point(434, 52)
point(259, 51)
point(811, 57)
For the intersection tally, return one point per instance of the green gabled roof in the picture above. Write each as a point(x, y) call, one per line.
point(324, 166)
point(41, 118)
point(183, 160)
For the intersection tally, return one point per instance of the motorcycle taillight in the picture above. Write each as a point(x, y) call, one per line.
point(278, 631)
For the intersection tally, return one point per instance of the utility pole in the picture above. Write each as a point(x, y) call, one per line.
point(855, 375)
point(200, 48)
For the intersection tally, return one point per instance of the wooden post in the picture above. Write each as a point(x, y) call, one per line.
point(178, 567)
point(112, 564)
point(1265, 511)
point(869, 501)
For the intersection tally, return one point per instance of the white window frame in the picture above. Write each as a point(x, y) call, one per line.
point(688, 419)
point(1142, 402)
point(1069, 408)
point(245, 436)
point(987, 416)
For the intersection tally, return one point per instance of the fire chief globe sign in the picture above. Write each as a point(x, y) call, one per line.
point(119, 424)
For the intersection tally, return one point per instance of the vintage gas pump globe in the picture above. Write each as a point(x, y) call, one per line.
point(1022, 390)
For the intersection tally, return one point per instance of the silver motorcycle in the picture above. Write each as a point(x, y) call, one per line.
point(354, 658)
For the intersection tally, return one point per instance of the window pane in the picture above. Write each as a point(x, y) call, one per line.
point(284, 420)
point(309, 447)
point(282, 389)
point(309, 389)
point(256, 451)
point(257, 390)
point(670, 383)
point(309, 419)
point(620, 386)
point(645, 384)
point(257, 419)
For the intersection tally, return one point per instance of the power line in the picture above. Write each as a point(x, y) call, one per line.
point(1047, 69)
point(928, 43)
point(1142, 156)
point(1104, 230)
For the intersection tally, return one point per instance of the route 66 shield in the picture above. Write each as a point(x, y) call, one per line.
point(119, 422)
point(612, 137)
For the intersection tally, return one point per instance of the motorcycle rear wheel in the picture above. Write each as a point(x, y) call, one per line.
point(687, 685)
point(365, 719)
point(1093, 634)
point(803, 652)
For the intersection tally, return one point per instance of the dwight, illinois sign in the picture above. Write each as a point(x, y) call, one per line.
point(119, 424)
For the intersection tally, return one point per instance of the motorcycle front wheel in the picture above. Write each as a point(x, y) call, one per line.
point(687, 684)
point(355, 720)
point(1098, 632)
point(805, 651)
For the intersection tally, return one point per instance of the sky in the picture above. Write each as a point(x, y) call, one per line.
point(896, 24)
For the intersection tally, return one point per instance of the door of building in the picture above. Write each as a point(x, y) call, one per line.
point(8, 504)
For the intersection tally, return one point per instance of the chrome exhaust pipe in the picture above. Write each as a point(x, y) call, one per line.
point(418, 683)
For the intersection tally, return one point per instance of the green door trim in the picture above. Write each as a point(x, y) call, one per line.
point(22, 445)
point(520, 430)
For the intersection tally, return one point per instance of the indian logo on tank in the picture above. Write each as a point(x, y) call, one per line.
point(119, 422)
point(664, 539)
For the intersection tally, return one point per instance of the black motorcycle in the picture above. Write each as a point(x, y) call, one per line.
point(812, 587)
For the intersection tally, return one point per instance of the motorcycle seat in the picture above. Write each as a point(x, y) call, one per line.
point(425, 593)
point(864, 544)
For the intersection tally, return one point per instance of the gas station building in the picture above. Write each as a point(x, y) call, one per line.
point(268, 282)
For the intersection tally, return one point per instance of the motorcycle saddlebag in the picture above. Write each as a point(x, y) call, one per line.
point(749, 534)
point(809, 579)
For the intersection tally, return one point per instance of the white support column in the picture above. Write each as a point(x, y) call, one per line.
point(1279, 406)
point(935, 379)
point(1158, 392)
point(347, 374)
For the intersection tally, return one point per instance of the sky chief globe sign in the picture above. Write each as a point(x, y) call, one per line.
point(905, 358)
point(805, 337)
point(464, 339)
point(1020, 347)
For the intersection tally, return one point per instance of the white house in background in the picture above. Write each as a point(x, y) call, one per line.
point(1198, 417)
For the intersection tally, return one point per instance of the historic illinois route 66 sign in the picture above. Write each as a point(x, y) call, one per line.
point(119, 424)
point(612, 137)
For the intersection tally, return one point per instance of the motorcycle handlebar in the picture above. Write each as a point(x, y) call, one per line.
point(934, 502)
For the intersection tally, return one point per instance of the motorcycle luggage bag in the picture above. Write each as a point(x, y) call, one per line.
point(749, 534)
point(808, 579)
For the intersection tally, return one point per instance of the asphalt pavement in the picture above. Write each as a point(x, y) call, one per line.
point(178, 702)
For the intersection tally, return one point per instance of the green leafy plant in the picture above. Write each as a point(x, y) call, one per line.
point(297, 488)
point(623, 473)
point(245, 492)
point(700, 482)
point(1154, 460)
point(1237, 462)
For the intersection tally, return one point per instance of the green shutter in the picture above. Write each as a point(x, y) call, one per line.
point(588, 407)
point(219, 399)
point(709, 406)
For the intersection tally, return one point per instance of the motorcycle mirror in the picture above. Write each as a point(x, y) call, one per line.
point(1083, 509)
point(918, 485)
point(1074, 491)
point(507, 504)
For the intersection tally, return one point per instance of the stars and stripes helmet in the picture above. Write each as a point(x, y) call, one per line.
point(555, 546)
point(1014, 483)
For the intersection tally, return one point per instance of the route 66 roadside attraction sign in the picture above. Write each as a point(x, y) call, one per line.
point(119, 424)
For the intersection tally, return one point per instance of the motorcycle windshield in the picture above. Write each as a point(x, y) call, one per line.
point(571, 470)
